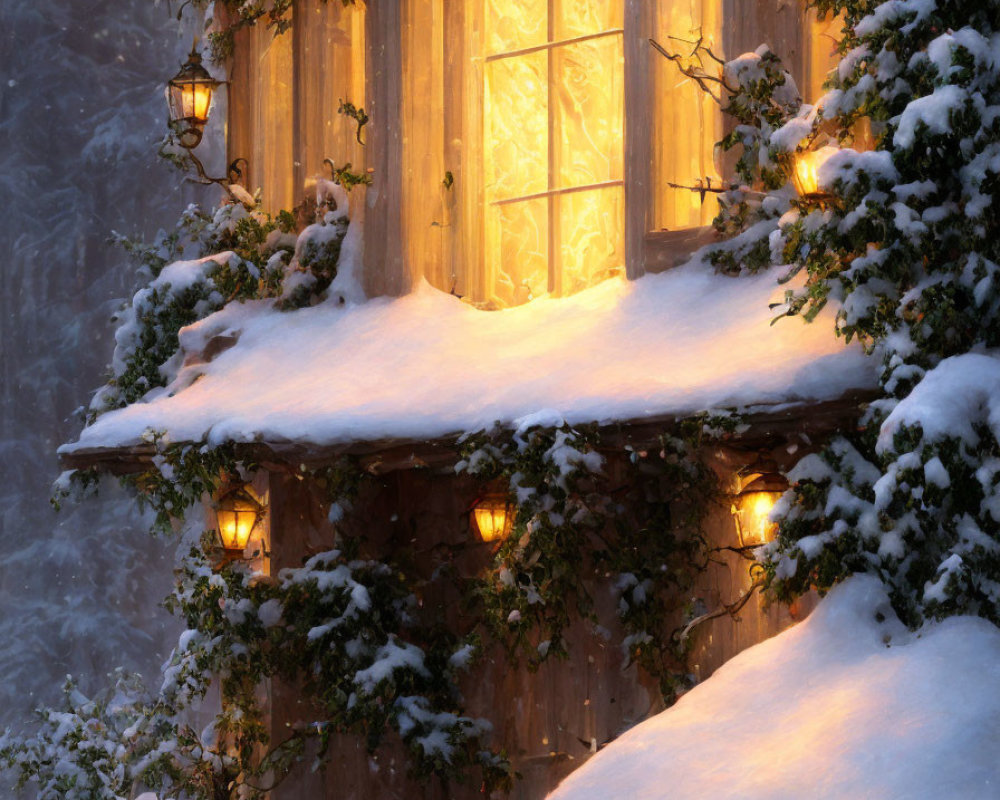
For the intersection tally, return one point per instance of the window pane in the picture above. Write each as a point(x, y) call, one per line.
point(516, 126)
point(590, 94)
point(515, 24)
point(584, 17)
point(519, 235)
point(592, 237)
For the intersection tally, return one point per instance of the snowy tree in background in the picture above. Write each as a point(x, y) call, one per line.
point(82, 112)
point(905, 237)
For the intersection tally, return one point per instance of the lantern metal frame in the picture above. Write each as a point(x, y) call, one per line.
point(189, 130)
point(237, 492)
point(806, 192)
point(493, 499)
point(769, 483)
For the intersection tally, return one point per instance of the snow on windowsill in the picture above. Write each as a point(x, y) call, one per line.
point(824, 710)
point(427, 365)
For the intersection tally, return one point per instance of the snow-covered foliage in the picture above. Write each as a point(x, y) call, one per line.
point(343, 628)
point(917, 502)
point(846, 704)
point(902, 238)
point(550, 472)
point(346, 628)
point(231, 256)
point(762, 97)
point(83, 111)
point(674, 343)
point(86, 748)
point(574, 534)
point(907, 245)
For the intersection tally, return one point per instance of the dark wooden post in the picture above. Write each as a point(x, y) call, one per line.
point(639, 105)
point(386, 271)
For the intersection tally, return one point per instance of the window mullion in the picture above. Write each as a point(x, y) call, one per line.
point(552, 45)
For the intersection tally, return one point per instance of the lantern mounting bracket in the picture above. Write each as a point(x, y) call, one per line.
point(189, 95)
point(234, 174)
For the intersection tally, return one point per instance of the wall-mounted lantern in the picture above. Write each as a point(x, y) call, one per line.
point(237, 513)
point(805, 176)
point(189, 98)
point(493, 516)
point(752, 508)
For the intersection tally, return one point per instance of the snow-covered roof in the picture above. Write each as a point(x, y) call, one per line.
point(824, 710)
point(427, 365)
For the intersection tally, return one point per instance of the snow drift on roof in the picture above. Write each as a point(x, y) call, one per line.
point(426, 365)
point(824, 710)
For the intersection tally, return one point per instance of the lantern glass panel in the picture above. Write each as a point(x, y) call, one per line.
point(752, 513)
point(191, 101)
point(201, 101)
point(493, 520)
point(807, 166)
point(237, 515)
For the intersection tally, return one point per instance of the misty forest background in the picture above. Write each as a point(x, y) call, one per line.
point(81, 115)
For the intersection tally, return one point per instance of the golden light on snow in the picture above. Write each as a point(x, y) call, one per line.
point(237, 514)
point(807, 166)
point(752, 510)
point(494, 517)
point(553, 146)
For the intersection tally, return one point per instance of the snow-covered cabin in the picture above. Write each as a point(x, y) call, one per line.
point(521, 155)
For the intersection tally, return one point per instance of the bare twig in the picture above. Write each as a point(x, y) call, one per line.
point(699, 46)
point(745, 551)
point(698, 74)
point(731, 609)
point(233, 174)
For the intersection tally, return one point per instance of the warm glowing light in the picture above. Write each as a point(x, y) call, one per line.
point(686, 121)
point(554, 145)
point(753, 507)
point(807, 166)
point(190, 99)
point(494, 518)
point(237, 514)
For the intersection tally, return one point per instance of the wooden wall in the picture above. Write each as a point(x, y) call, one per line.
point(284, 94)
point(550, 721)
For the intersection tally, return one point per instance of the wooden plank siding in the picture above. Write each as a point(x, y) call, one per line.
point(549, 721)
point(329, 67)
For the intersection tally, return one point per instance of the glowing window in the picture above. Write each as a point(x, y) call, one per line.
point(553, 129)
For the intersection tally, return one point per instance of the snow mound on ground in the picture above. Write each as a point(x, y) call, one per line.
point(427, 365)
point(824, 710)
